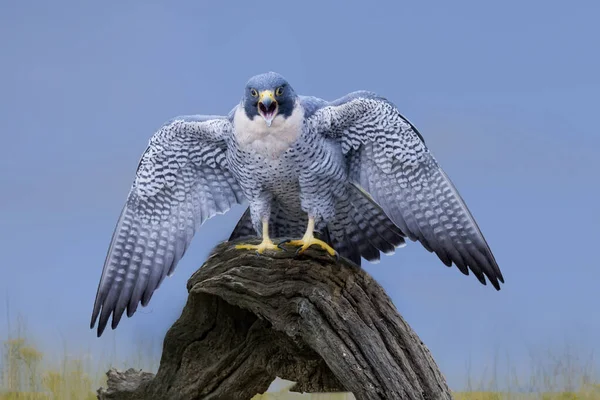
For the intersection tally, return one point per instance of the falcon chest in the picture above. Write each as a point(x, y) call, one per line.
point(254, 136)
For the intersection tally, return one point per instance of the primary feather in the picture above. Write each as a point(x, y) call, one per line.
point(388, 158)
point(181, 180)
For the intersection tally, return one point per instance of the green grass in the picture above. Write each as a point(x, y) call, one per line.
point(26, 374)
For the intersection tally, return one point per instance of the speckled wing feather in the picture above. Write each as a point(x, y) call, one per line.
point(388, 158)
point(182, 180)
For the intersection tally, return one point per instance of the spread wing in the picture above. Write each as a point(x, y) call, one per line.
point(181, 181)
point(388, 158)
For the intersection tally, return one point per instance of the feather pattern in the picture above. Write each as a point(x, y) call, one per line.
point(182, 179)
point(388, 158)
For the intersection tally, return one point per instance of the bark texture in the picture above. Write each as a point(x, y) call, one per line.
point(327, 326)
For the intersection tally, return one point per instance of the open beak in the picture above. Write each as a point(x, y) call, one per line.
point(267, 106)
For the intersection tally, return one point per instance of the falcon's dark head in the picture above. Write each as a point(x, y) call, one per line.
point(268, 95)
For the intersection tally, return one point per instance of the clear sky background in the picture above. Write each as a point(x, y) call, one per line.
point(505, 94)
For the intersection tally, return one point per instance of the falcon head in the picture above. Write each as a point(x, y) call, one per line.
point(268, 95)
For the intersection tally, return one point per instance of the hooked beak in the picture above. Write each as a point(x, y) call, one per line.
point(267, 106)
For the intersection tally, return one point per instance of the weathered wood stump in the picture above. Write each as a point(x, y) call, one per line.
point(327, 326)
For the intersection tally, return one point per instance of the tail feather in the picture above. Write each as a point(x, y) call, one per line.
point(383, 233)
point(282, 224)
point(244, 227)
point(361, 229)
point(371, 237)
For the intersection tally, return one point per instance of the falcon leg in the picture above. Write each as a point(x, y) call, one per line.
point(309, 240)
point(266, 244)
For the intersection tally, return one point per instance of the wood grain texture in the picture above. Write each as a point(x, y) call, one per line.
point(327, 326)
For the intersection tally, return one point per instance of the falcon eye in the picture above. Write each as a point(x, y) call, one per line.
point(279, 91)
point(253, 92)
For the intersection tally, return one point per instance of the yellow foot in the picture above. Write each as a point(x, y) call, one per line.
point(260, 248)
point(305, 243)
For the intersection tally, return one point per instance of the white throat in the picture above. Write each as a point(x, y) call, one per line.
point(269, 141)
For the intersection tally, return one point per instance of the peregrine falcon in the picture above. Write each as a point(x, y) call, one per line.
point(352, 176)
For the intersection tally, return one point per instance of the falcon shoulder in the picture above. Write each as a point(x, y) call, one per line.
point(181, 180)
point(387, 157)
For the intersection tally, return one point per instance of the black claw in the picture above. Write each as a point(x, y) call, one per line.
point(337, 257)
point(280, 244)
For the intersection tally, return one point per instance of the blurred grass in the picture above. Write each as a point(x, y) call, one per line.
point(25, 374)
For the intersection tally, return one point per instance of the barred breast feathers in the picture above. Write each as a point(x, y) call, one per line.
point(273, 141)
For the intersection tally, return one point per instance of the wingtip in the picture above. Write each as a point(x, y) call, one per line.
point(115, 322)
point(100, 330)
point(495, 281)
point(500, 276)
point(496, 277)
point(496, 284)
point(93, 323)
point(93, 319)
point(103, 322)
point(132, 309)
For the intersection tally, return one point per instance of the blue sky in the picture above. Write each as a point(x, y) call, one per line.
point(505, 95)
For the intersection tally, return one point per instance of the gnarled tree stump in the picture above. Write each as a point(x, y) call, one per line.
point(327, 326)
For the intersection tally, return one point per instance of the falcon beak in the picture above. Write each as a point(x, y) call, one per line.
point(267, 106)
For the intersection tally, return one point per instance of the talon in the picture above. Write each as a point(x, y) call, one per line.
point(266, 244)
point(305, 243)
point(308, 240)
point(280, 244)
